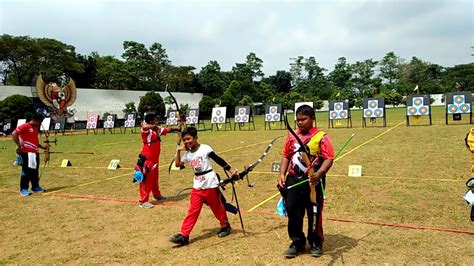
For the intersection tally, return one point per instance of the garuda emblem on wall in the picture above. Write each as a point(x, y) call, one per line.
point(56, 98)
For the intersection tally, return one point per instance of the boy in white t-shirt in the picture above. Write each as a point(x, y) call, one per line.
point(205, 185)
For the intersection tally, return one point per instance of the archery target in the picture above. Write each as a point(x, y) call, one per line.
point(273, 113)
point(192, 116)
point(418, 105)
point(110, 121)
point(60, 124)
point(92, 121)
point(218, 115)
point(45, 124)
point(20, 122)
point(458, 102)
point(7, 125)
point(242, 114)
point(338, 110)
point(130, 120)
point(373, 108)
point(297, 105)
point(172, 119)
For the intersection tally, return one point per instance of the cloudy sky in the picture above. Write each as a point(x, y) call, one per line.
point(195, 32)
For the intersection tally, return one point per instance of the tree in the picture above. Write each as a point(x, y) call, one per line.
point(129, 108)
point(23, 57)
point(205, 106)
point(152, 102)
point(111, 73)
point(390, 67)
point(296, 70)
point(281, 81)
point(363, 77)
point(255, 65)
point(16, 107)
point(341, 75)
point(212, 79)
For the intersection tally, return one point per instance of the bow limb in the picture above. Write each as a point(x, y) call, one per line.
point(178, 135)
point(305, 155)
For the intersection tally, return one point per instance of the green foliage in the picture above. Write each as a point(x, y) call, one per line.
point(152, 102)
point(317, 103)
point(23, 57)
point(104, 115)
point(212, 80)
point(229, 100)
point(205, 106)
point(16, 107)
point(129, 108)
point(247, 100)
point(289, 100)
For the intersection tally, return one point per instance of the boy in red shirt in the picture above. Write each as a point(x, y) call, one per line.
point(151, 137)
point(298, 198)
point(27, 142)
point(205, 185)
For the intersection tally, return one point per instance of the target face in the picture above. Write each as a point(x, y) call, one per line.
point(416, 105)
point(92, 121)
point(242, 114)
point(57, 126)
point(459, 105)
point(130, 120)
point(459, 99)
point(219, 115)
point(339, 111)
point(417, 101)
point(172, 119)
point(192, 117)
point(378, 112)
point(272, 113)
point(373, 107)
point(109, 123)
point(412, 110)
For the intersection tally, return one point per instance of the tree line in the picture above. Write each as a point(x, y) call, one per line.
point(149, 68)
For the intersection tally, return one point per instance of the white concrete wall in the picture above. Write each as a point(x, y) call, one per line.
point(94, 101)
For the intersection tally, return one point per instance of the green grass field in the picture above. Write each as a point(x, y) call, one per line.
point(412, 176)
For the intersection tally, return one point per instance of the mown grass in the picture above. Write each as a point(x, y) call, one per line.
point(411, 175)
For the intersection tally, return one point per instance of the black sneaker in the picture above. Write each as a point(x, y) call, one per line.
point(292, 251)
point(316, 251)
point(179, 239)
point(225, 231)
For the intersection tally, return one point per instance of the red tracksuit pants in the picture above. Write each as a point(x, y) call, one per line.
point(198, 198)
point(150, 184)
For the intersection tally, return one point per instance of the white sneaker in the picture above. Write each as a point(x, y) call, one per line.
point(146, 205)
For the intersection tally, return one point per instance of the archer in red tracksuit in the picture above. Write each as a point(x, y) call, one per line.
point(151, 138)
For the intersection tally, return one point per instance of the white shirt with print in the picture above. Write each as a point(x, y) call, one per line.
point(200, 162)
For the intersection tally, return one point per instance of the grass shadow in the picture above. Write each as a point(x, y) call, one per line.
point(336, 245)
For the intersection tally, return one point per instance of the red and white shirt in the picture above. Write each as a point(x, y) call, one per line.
point(297, 167)
point(29, 141)
point(152, 143)
point(200, 162)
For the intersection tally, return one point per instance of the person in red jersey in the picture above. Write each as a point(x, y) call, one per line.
point(298, 198)
point(150, 154)
point(27, 142)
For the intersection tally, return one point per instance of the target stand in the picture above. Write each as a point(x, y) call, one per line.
point(59, 126)
point(273, 116)
point(109, 123)
point(418, 106)
point(130, 121)
point(220, 119)
point(192, 118)
point(373, 109)
point(338, 111)
point(458, 104)
point(243, 116)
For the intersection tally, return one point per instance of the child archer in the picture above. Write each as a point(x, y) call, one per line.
point(205, 185)
point(150, 158)
point(298, 198)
